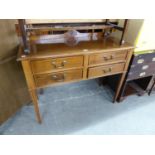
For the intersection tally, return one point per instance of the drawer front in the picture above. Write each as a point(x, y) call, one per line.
point(58, 77)
point(140, 71)
point(105, 70)
point(143, 59)
point(51, 64)
point(142, 65)
point(108, 57)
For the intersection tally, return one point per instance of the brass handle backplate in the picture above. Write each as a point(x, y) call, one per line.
point(107, 70)
point(106, 58)
point(59, 66)
point(58, 78)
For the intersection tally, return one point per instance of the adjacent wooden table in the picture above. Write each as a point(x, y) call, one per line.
point(53, 64)
point(140, 77)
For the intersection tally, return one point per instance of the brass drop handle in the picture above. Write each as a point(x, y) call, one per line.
point(58, 78)
point(108, 58)
point(107, 70)
point(54, 64)
point(61, 65)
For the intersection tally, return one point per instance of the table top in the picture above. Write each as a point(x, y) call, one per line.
point(38, 51)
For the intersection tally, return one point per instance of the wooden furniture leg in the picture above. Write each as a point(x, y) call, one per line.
point(123, 76)
point(31, 86)
point(36, 107)
point(41, 91)
point(36, 94)
point(149, 93)
point(119, 87)
point(22, 25)
point(104, 33)
point(121, 95)
point(124, 30)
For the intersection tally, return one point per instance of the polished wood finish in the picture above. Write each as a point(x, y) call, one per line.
point(41, 51)
point(106, 70)
point(85, 61)
point(106, 58)
point(57, 77)
point(43, 38)
point(54, 64)
point(40, 21)
point(66, 28)
point(23, 32)
point(124, 30)
point(50, 64)
point(29, 29)
point(32, 87)
point(120, 84)
point(85, 69)
point(36, 106)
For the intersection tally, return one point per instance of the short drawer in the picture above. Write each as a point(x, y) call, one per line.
point(143, 65)
point(52, 64)
point(140, 71)
point(143, 59)
point(58, 77)
point(108, 57)
point(105, 70)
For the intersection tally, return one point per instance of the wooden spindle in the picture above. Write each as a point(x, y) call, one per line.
point(124, 30)
point(22, 27)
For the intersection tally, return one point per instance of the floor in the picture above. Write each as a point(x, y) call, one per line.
point(84, 108)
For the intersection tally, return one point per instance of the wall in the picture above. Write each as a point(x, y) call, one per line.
point(13, 89)
point(140, 33)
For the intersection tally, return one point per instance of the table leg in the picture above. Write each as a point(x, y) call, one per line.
point(41, 91)
point(35, 102)
point(119, 87)
point(121, 95)
point(149, 93)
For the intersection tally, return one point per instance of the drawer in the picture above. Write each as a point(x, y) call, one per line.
point(142, 65)
point(105, 70)
point(140, 71)
point(108, 57)
point(58, 77)
point(52, 64)
point(143, 59)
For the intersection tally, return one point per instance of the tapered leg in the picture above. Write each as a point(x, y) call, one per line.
point(41, 91)
point(119, 87)
point(36, 94)
point(121, 95)
point(149, 93)
point(36, 107)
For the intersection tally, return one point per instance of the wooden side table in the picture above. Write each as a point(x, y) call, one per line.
point(55, 64)
point(140, 75)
